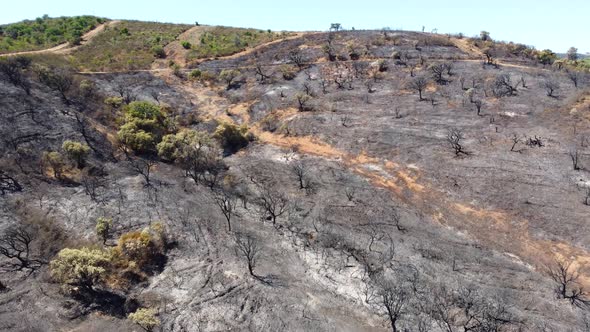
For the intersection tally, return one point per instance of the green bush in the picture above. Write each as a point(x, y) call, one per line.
point(146, 318)
point(103, 228)
point(183, 145)
point(186, 45)
point(546, 57)
point(114, 102)
point(76, 151)
point(159, 52)
point(195, 74)
point(144, 125)
point(195, 152)
point(231, 136)
point(83, 267)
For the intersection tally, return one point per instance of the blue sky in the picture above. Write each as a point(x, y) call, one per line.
point(541, 23)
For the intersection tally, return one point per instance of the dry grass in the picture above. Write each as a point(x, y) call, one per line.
point(127, 45)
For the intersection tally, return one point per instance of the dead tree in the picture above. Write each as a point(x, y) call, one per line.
point(273, 204)
point(143, 167)
point(125, 92)
point(515, 140)
point(438, 70)
point(448, 66)
point(91, 185)
point(302, 101)
point(345, 121)
point(59, 80)
point(454, 138)
point(419, 84)
point(574, 76)
point(297, 58)
point(261, 75)
point(8, 184)
point(308, 89)
point(396, 219)
point(503, 86)
point(350, 193)
point(394, 299)
point(551, 86)
point(227, 205)
point(300, 171)
point(567, 285)
point(248, 247)
point(15, 243)
point(478, 104)
point(12, 69)
point(575, 157)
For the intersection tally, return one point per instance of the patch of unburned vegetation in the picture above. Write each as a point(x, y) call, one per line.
point(129, 45)
point(223, 41)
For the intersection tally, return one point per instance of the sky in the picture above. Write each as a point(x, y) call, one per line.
point(539, 23)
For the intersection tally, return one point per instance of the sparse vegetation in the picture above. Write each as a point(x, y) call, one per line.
point(222, 41)
point(130, 45)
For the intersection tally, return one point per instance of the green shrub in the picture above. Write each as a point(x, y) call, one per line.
point(159, 52)
point(546, 57)
point(114, 102)
point(195, 153)
point(83, 267)
point(146, 318)
point(103, 228)
point(231, 136)
point(143, 110)
point(144, 125)
point(186, 45)
point(87, 88)
point(182, 145)
point(76, 151)
point(195, 74)
point(54, 160)
point(228, 76)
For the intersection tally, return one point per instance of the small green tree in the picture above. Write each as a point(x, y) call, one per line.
point(546, 57)
point(54, 160)
point(186, 45)
point(484, 35)
point(143, 127)
point(572, 54)
point(76, 151)
point(228, 76)
point(103, 228)
point(146, 318)
point(195, 152)
point(84, 267)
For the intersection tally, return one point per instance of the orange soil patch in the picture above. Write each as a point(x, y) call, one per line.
point(463, 45)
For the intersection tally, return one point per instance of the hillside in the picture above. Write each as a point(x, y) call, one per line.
point(194, 178)
point(45, 32)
